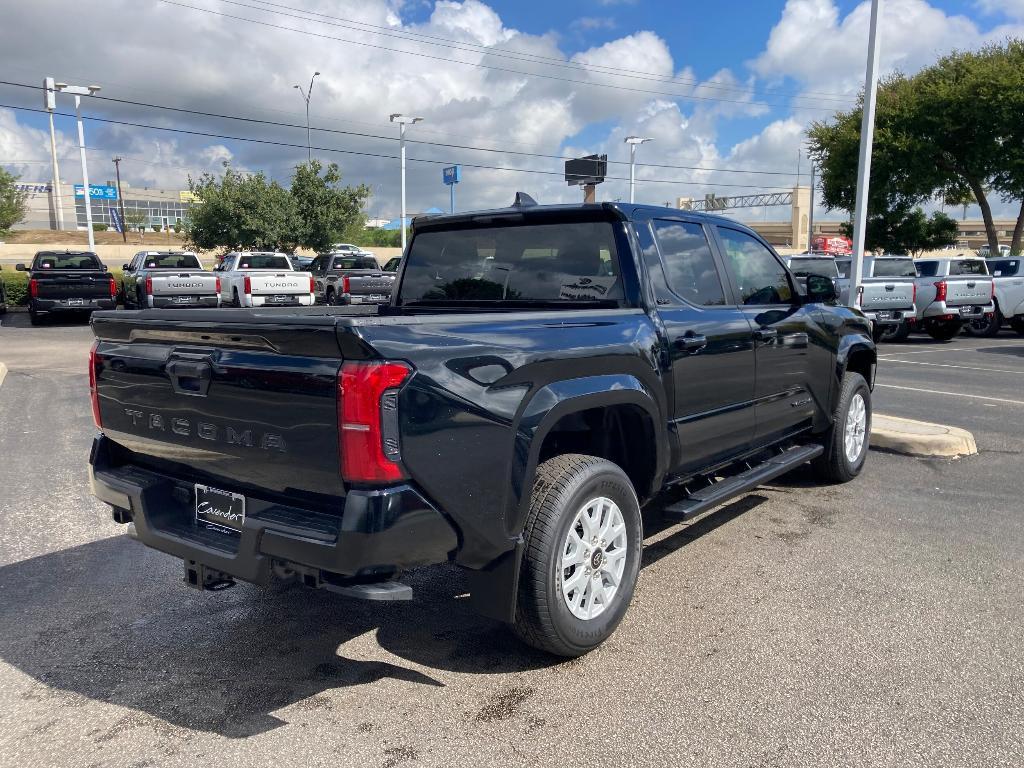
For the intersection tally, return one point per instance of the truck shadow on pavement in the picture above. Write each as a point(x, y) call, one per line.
point(111, 621)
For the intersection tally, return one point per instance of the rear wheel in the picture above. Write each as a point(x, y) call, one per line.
point(986, 327)
point(34, 318)
point(846, 443)
point(895, 333)
point(945, 330)
point(235, 301)
point(331, 299)
point(581, 557)
point(1017, 323)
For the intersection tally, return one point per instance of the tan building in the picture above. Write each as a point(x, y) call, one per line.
point(162, 207)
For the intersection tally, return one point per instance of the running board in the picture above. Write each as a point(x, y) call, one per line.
point(720, 492)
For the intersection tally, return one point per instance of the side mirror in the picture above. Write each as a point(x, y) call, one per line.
point(820, 290)
point(21, 267)
point(126, 268)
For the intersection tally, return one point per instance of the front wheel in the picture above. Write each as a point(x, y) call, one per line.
point(944, 331)
point(986, 327)
point(581, 555)
point(846, 443)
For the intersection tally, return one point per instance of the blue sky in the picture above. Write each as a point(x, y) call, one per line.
point(749, 76)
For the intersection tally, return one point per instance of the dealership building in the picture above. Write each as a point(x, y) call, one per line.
point(161, 207)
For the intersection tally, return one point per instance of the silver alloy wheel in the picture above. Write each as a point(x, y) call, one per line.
point(593, 558)
point(856, 428)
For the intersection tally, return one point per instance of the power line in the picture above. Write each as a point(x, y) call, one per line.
point(446, 59)
point(410, 141)
point(377, 155)
point(471, 47)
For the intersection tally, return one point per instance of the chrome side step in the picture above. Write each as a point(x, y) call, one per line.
point(717, 493)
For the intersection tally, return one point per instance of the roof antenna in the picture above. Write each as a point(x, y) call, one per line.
point(523, 200)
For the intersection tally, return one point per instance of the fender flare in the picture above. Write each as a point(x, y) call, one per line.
point(854, 344)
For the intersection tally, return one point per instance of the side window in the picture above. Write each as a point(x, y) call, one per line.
point(689, 266)
point(927, 268)
point(760, 276)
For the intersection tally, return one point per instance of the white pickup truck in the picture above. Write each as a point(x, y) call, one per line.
point(1008, 277)
point(887, 292)
point(951, 291)
point(263, 279)
point(165, 279)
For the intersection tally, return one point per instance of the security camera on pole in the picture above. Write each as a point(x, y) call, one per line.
point(78, 91)
point(634, 142)
point(403, 121)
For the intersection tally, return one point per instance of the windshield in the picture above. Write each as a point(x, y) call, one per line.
point(263, 261)
point(968, 267)
point(354, 262)
point(80, 260)
point(171, 261)
point(895, 268)
point(522, 263)
point(805, 267)
point(1004, 267)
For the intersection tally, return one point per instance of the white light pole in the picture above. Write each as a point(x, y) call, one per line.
point(634, 142)
point(867, 131)
point(306, 96)
point(78, 91)
point(403, 121)
point(50, 103)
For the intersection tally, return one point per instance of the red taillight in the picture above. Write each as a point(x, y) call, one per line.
point(312, 284)
point(993, 290)
point(368, 421)
point(94, 360)
point(113, 288)
point(33, 288)
point(913, 293)
point(247, 285)
point(940, 290)
point(218, 285)
point(149, 285)
point(346, 285)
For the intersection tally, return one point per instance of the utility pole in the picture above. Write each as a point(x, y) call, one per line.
point(867, 130)
point(120, 199)
point(810, 215)
point(403, 121)
point(78, 91)
point(50, 102)
point(634, 142)
point(306, 96)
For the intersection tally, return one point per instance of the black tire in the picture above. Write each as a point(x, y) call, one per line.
point(330, 300)
point(235, 301)
point(1017, 323)
point(34, 319)
point(833, 466)
point(946, 330)
point(896, 333)
point(986, 327)
point(563, 487)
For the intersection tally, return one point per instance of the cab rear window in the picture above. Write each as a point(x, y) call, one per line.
point(968, 267)
point(263, 261)
point(66, 261)
point(1004, 267)
point(805, 267)
point(171, 261)
point(354, 262)
point(894, 268)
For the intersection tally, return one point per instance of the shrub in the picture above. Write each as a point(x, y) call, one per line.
point(98, 227)
point(157, 227)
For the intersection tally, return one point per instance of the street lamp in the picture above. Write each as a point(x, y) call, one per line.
point(634, 142)
point(403, 121)
point(306, 96)
point(78, 91)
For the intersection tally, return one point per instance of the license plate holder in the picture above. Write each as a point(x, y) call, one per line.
point(220, 509)
point(181, 299)
point(76, 302)
point(884, 315)
point(968, 310)
point(278, 299)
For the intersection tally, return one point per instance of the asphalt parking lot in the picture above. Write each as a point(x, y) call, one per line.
point(876, 623)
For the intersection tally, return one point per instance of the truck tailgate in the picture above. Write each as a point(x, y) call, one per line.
point(882, 293)
point(73, 286)
point(236, 407)
point(185, 284)
point(374, 284)
point(279, 284)
point(962, 291)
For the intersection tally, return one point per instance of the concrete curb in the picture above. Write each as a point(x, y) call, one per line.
point(920, 438)
point(3, 373)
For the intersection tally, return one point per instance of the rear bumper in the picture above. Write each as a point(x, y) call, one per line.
point(48, 306)
point(293, 300)
point(375, 534)
point(196, 302)
point(940, 310)
point(888, 316)
point(348, 298)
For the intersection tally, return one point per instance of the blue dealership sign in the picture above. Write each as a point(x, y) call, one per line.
point(97, 191)
point(452, 174)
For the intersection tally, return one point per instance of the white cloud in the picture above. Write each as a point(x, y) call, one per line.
point(1012, 8)
point(594, 22)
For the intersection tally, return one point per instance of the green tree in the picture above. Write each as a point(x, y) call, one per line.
point(327, 212)
point(136, 219)
point(904, 230)
point(13, 205)
point(954, 126)
point(241, 211)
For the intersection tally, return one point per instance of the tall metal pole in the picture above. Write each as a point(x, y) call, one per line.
point(451, 195)
point(85, 173)
point(120, 199)
point(867, 130)
point(306, 96)
point(58, 202)
point(810, 215)
point(401, 149)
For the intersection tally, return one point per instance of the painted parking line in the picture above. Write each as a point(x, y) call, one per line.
point(953, 394)
point(950, 365)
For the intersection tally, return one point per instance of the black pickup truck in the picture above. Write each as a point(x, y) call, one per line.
point(540, 374)
point(67, 281)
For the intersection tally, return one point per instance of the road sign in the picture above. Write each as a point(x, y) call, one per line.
point(452, 174)
point(97, 192)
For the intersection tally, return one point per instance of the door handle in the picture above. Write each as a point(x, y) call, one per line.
point(691, 342)
point(767, 335)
